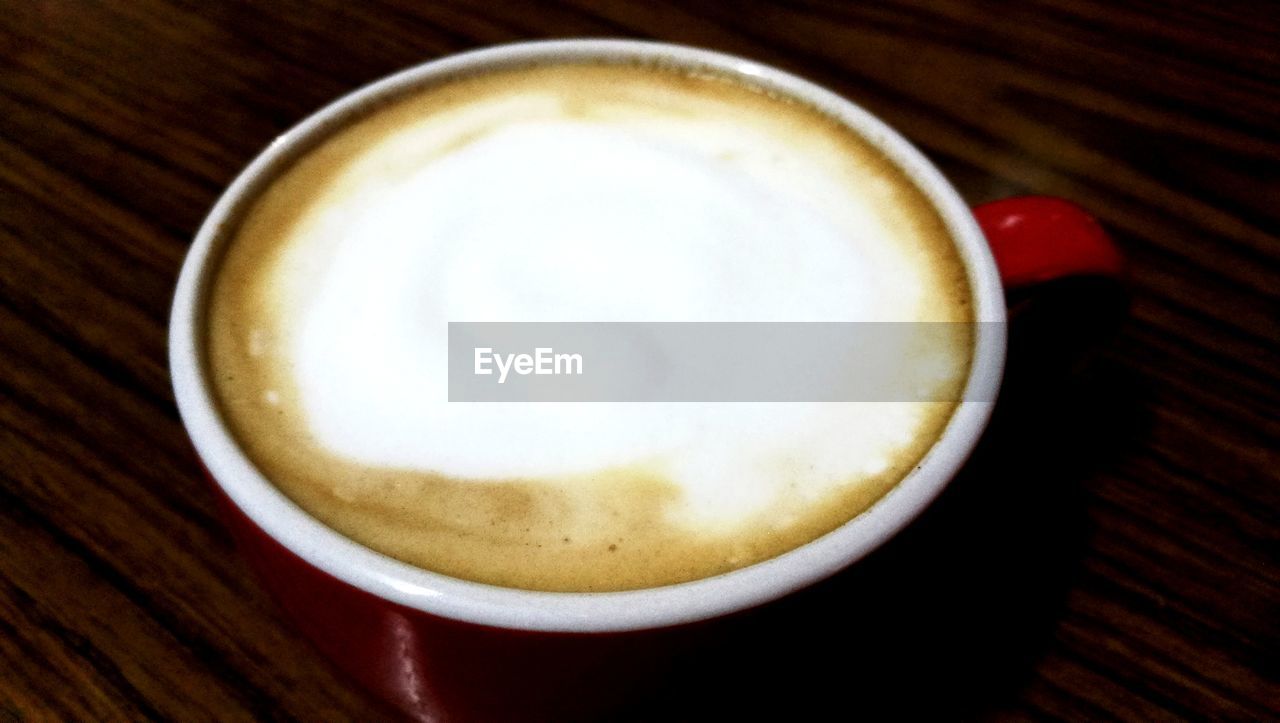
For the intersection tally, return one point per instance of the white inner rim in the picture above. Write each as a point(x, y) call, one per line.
point(586, 612)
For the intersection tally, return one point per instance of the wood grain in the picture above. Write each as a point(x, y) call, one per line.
point(1110, 552)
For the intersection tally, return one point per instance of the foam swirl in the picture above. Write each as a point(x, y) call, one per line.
point(575, 193)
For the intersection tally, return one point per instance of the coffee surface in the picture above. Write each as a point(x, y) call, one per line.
point(572, 193)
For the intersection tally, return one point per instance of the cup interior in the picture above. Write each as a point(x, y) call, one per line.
point(657, 607)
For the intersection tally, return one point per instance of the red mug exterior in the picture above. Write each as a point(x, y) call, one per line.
point(434, 655)
point(437, 669)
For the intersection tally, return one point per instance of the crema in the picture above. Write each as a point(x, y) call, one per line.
point(572, 192)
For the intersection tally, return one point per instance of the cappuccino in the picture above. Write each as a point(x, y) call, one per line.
point(572, 192)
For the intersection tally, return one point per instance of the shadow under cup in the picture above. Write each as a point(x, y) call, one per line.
point(442, 648)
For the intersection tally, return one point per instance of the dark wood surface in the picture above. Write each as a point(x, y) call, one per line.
point(1111, 552)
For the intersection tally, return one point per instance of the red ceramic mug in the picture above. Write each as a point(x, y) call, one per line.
point(440, 648)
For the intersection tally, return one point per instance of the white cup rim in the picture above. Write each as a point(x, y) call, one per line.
point(658, 607)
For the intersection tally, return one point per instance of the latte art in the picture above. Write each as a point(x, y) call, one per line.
point(572, 193)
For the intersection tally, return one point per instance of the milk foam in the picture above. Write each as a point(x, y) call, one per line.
point(571, 220)
point(523, 205)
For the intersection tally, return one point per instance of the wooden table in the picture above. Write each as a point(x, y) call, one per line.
point(1111, 552)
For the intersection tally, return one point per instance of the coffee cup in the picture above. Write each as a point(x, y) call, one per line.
point(435, 574)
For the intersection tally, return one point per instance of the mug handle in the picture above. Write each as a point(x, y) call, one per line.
point(1064, 287)
point(1040, 238)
